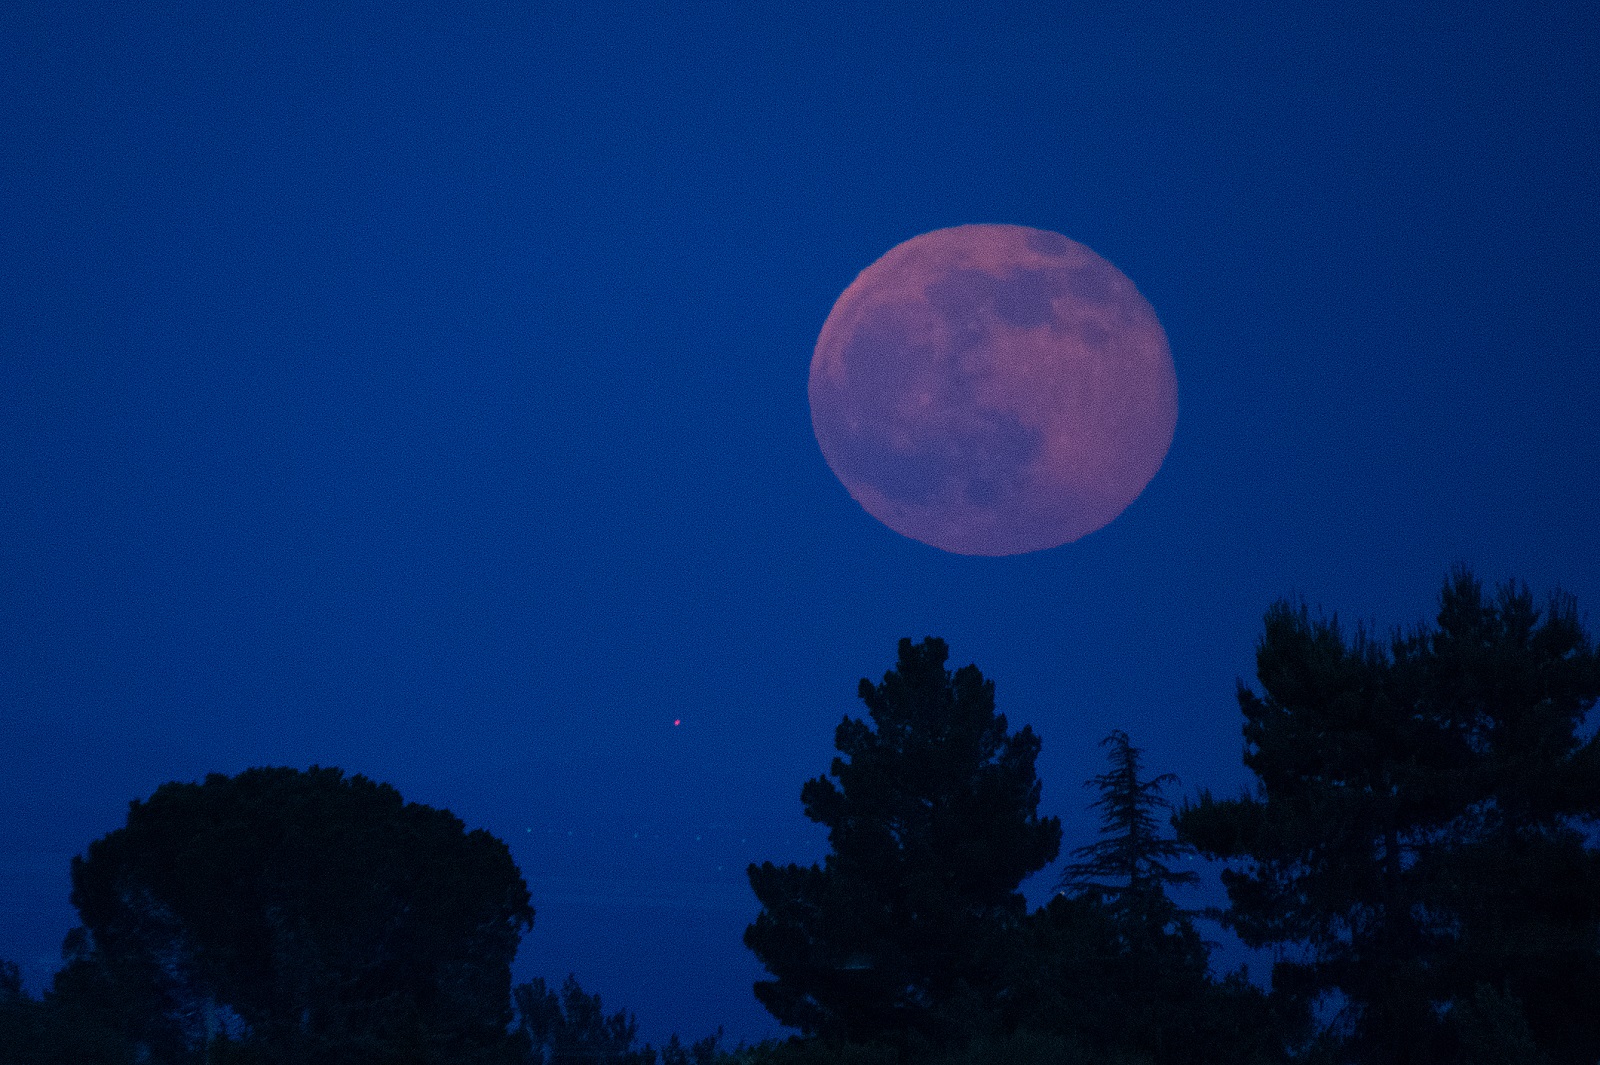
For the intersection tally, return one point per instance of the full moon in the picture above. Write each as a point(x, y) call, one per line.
point(993, 390)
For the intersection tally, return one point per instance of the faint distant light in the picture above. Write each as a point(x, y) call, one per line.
point(677, 721)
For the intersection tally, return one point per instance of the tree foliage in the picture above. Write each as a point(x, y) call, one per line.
point(1419, 845)
point(50, 1032)
point(573, 1028)
point(1010, 1048)
point(931, 809)
point(299, 916)
point(1416, 838)
point(1124, 982)
point(1116, 965)
point(1130, 858)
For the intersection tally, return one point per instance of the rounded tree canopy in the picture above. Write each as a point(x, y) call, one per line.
point(313, 910)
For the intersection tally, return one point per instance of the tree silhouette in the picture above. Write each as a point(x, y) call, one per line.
point(304, 916)
point(573, 1028)
point(42, 1032)
point(1131, 855)
point(65, 1027)
point(901, 934)
point(1116, 965)
point(1416, 839)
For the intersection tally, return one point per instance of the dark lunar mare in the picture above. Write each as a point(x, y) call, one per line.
point(1021, 297)
point(989, 459)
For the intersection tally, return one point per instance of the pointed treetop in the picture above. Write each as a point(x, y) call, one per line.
point(1132, 853)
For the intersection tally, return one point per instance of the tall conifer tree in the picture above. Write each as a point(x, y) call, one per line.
point(932, 814)
point(1116, 965)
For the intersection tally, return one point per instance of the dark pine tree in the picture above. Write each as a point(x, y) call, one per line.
point(901, 934)
point(1130, 859)
point(1116, 965)
point(1418, 840)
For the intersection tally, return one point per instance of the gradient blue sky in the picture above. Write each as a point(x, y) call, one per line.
point(420, 389)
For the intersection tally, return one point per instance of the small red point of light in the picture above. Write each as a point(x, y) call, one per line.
point(677, 721)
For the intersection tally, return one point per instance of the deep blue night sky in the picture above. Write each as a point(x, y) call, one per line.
point(420, 389)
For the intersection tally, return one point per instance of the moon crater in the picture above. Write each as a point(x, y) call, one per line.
point(993, 390)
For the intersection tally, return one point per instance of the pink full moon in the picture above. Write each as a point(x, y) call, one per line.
point(993, 390)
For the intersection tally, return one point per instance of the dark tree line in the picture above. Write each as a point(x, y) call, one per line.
point(1421, 836)
point(912, 940)
point(307, 917)
point(1418, 850)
